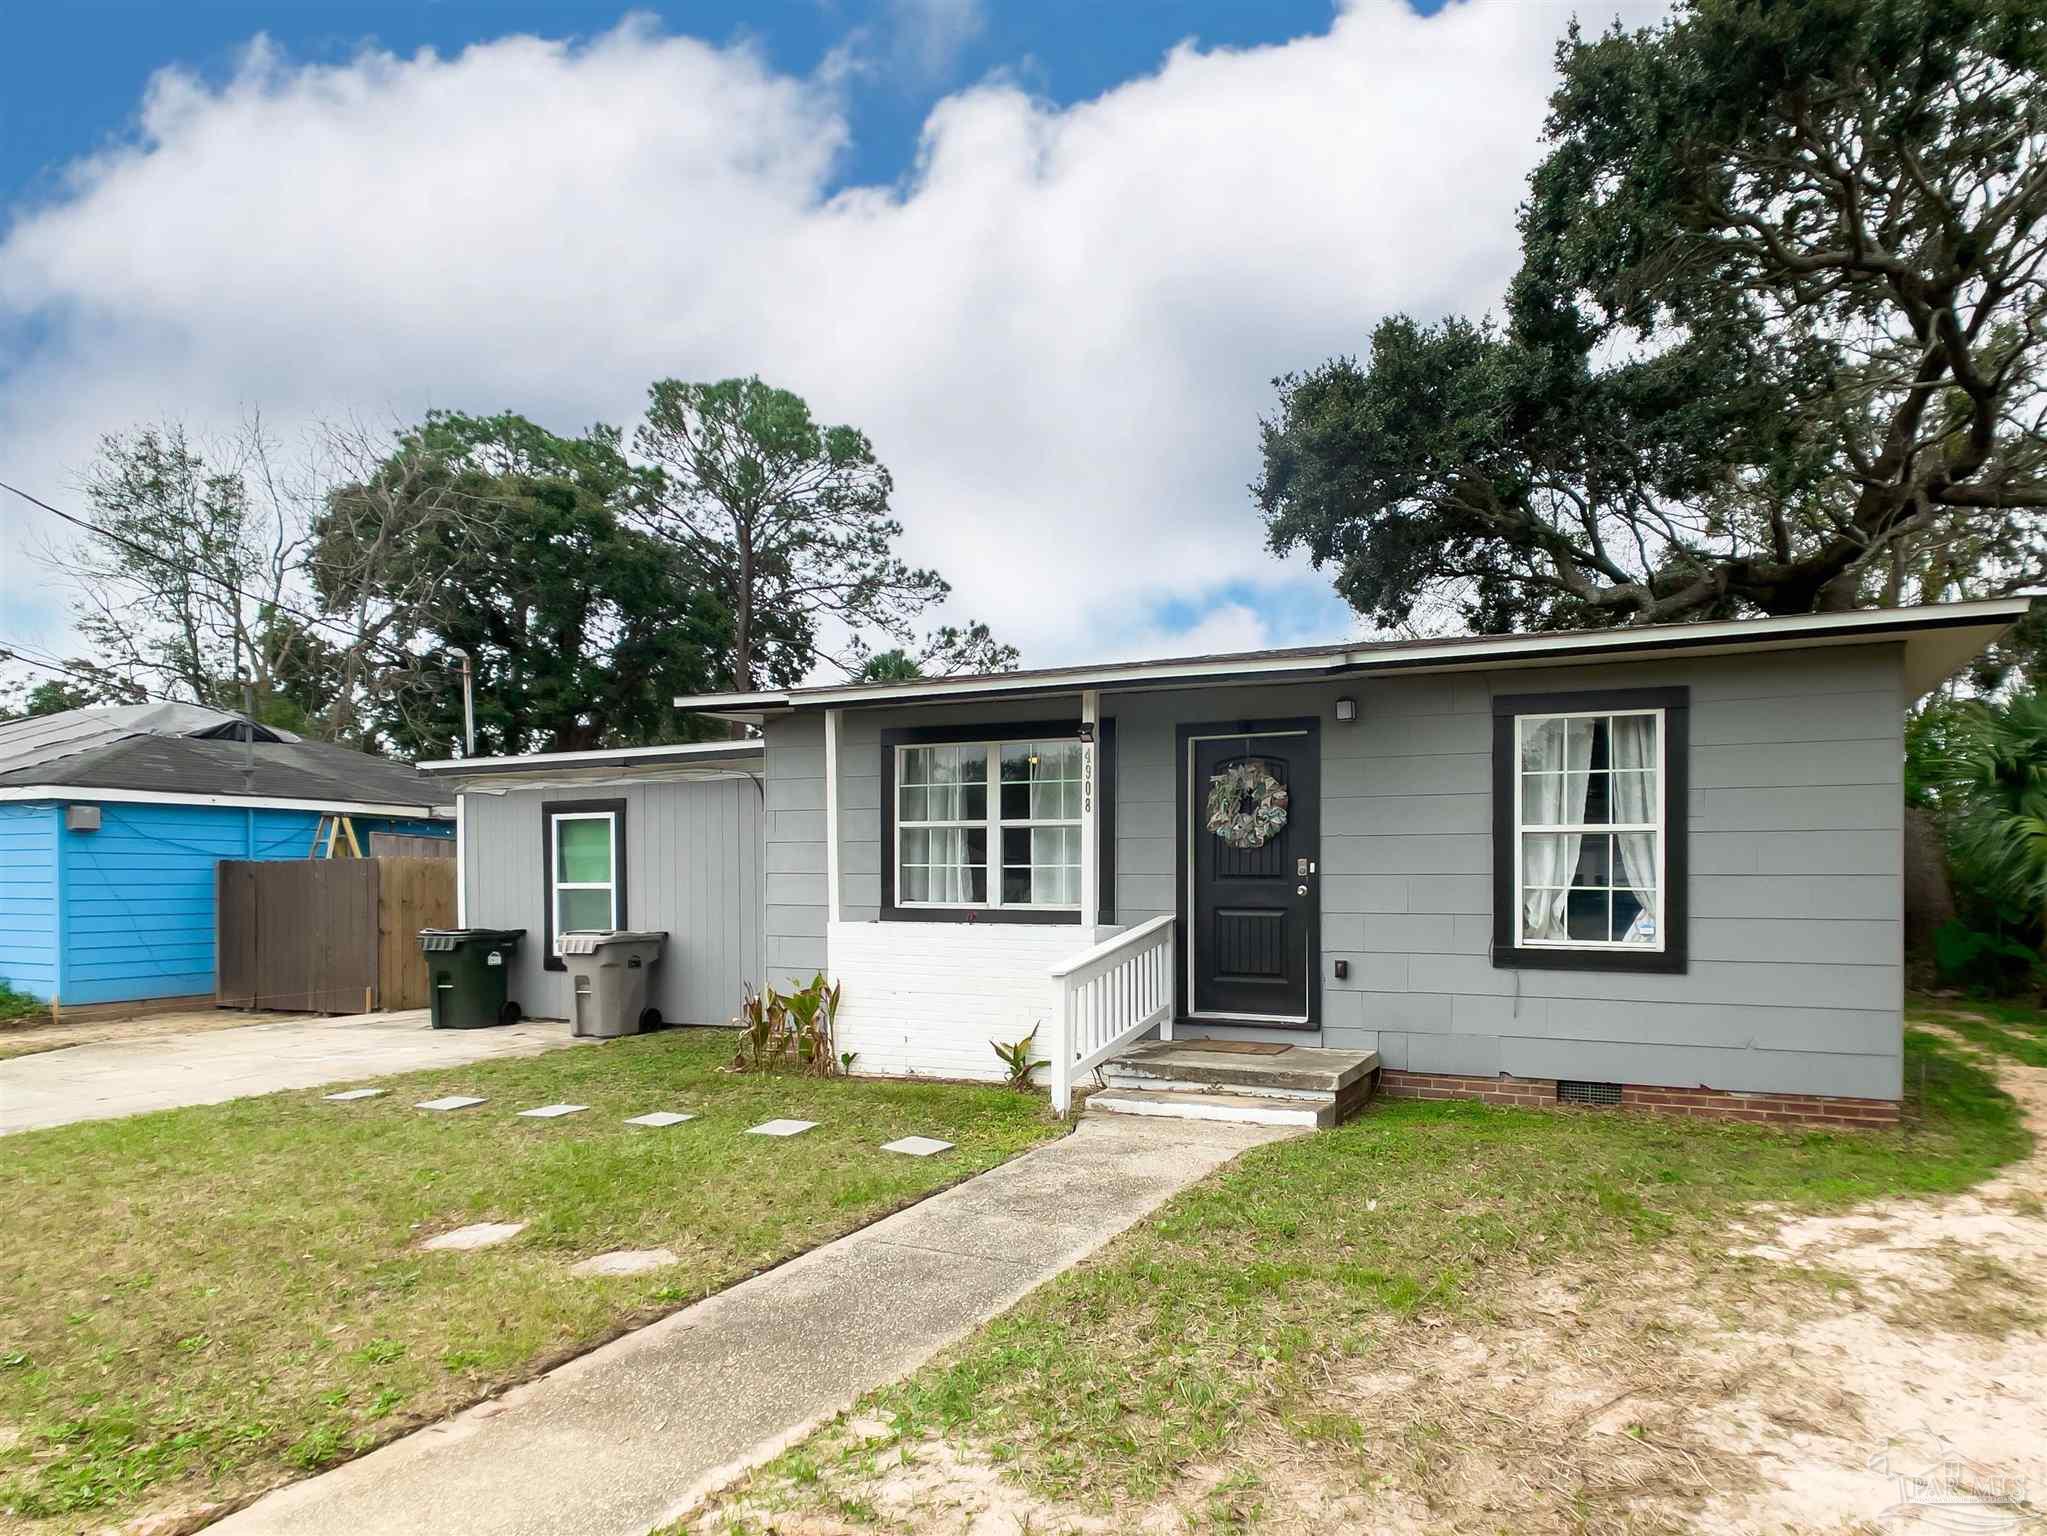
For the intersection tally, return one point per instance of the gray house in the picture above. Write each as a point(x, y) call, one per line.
point(1657, 866)
point(662, 838)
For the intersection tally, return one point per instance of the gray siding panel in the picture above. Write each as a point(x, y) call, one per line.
point(795, 897)
point(1791, 853)
point(693, 867)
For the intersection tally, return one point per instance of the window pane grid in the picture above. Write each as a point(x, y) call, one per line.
point(1022, 798)
point(584, 878)
point(1589, 816)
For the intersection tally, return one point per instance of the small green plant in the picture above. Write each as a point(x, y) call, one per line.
point(803, 1024)
point(1969, 957)
point(812, 1013)
point(1016, 1058)
point(764, 1036)
point(17, 1007)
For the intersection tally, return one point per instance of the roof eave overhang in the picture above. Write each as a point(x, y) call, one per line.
point(706, 753)
point(1938, 639)
point(398, 810)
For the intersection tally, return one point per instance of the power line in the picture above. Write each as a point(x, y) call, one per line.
point(165, 560)
point(13, 652)
point(45, 661)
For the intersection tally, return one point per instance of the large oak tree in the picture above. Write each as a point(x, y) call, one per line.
point(1775, 345)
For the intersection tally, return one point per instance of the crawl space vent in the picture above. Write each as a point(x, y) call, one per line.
point(1569, 1092)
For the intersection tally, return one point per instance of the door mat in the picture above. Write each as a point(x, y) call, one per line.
point(1240, 1047)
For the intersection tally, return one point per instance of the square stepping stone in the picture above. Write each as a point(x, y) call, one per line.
point(660, 1117)
point(552, 1111)
point(485, 1234)
point(781, 1128)
point(917, 1146)
point(355, 1093)
point(452, 1101)
point(626, 1261)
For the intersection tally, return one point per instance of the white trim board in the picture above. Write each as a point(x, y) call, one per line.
point(616, 757)
point(86, 793)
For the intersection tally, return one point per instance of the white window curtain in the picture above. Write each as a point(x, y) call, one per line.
point(1555, 757)
point(1634, 800)
point(989, 824)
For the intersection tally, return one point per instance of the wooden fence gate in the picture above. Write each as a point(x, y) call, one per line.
point(327, 935)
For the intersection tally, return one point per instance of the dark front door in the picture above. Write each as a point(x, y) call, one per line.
point(1252, 839)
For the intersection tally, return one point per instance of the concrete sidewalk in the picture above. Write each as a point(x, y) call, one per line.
point(133, 1077)
point(631, 1435)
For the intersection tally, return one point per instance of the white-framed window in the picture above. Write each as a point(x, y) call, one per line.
point(583, 866)
point(1591, 834)
point(988, 824)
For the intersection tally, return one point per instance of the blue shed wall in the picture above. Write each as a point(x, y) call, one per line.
point(28, 898)
point(137, 895)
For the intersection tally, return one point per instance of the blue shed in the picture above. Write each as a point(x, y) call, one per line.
point(112, 820)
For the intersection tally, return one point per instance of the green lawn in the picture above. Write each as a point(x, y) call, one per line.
point(1192, 1347)
point(197, 1303)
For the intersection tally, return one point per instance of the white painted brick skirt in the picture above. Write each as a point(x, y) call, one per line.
point(925, 999)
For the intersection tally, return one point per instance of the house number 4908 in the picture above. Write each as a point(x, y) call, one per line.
point(1087, 780)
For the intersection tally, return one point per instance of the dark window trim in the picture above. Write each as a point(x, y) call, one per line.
point(1183, 835)
point(1676, 704)
point(549, 809)
point(995, 730)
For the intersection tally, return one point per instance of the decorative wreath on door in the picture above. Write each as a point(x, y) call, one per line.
point(1246, 805)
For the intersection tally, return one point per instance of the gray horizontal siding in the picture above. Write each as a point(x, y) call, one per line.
point(795, 897)
point(1795, 981)
point(693, 867)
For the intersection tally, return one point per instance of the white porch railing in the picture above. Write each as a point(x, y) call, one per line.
point(1110, 995)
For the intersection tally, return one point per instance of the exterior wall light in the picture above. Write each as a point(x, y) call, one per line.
point(1346, 711)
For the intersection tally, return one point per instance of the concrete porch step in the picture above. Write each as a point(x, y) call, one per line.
point(1301, 1071)
point(1241, 1108)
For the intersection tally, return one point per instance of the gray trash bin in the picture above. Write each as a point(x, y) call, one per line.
point(608, 975)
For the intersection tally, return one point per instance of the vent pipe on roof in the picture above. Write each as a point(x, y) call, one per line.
point(468, 702)
point(248, 738)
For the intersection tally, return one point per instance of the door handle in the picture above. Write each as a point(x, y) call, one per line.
point(1300, 890)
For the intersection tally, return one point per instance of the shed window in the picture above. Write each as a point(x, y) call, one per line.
point(988, 824)
point(585, 872)
point(583, 869)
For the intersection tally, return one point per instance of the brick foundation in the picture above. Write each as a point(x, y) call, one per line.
point(1541, 1093)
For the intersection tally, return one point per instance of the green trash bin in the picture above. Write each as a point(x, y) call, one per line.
point(467, 975)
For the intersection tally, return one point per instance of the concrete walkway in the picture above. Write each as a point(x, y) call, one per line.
point(133, 1077)
point(630, 1436)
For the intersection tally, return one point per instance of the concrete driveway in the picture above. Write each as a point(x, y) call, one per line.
point(132, 1077)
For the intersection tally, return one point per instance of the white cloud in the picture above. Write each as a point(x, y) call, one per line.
point(930, 34)
point(1059, 332)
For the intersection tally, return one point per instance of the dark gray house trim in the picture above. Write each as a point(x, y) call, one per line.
point(1676, 706)
point(1004, 730)
point(620, 841)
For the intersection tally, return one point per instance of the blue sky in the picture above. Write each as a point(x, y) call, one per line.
point(93, 57)
point(1059, 322)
